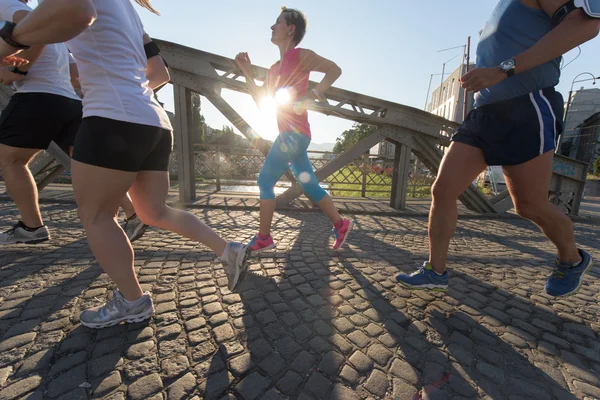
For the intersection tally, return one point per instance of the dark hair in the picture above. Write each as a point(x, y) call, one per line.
point(296, 18)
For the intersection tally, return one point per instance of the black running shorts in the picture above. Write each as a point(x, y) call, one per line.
point(33, 120)
point(123, 146)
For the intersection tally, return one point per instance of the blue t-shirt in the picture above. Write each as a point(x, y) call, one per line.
point(512, 29)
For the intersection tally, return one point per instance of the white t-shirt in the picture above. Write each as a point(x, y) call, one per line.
point(112, 67)
point(50, 73)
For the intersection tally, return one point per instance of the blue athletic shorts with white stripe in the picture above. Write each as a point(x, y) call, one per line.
point(515, 131)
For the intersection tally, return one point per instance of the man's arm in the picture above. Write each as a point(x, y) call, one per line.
point(577, 28)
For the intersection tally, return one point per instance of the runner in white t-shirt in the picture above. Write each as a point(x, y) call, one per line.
point(45, 108)
point(123, 144)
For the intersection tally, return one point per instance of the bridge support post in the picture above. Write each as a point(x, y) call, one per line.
point(184, 144)
point(400, 176)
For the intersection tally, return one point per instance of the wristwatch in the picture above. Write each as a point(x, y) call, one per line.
point(6, 30)
point(16, 70)
point(508, 67)
point(316, 93)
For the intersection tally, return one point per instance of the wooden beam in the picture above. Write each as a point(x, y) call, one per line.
point(400, 176)
point(184, 146)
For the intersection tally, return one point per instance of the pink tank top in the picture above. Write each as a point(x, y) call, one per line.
point(286, 74)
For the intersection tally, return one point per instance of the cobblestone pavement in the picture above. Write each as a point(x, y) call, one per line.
point(307, 323)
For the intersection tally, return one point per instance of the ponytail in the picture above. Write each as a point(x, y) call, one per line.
point(147, 6)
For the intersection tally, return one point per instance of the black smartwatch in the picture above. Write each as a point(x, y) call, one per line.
point(16, 70)
point(508, 67)
point(6, 30)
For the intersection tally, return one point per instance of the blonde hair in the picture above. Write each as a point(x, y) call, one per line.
point(146, 4)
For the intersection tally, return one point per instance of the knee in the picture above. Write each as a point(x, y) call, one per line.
point(266, 186)
point(152, 215)
point(91, 215)
point(313, 190)
point(13, 158)
point(529, 210)
point(443, 191)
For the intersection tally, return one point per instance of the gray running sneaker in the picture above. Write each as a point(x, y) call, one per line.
point(134, 228)
point(117, 310)
point(18, 234)
point(235, 262)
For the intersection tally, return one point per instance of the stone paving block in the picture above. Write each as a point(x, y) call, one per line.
point(175, 366)
point(331, 363)
point(272, 364)
point(377, 383)
point(145, 387)
point(361, 362)
point(17, 341)
point(289, 383)
point(318, 385)
point(66, 381)
point(252, 386)
point(303, 362)
point(181, 388)
point(20, 388)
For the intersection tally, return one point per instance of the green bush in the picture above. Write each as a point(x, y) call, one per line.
point(597, 166)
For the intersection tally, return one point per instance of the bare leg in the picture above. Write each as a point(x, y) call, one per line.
point(20, 183)
point(460, 166)
point(267, 209)
point(528, 185)
point(127, 206)
point(98, 205)
point(149, 193)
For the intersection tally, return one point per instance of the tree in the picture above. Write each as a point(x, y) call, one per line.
point(350, 137)
point(197, 120)
point(597, 166)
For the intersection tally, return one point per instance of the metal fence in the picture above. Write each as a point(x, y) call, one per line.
point(225, 168)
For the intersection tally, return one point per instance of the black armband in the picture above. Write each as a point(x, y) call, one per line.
point(151, 49)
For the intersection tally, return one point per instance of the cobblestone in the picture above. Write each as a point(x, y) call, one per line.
point(305, 323)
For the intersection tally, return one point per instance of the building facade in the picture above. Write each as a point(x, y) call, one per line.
point(448, 99)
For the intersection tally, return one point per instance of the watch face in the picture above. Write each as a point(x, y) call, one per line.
point(508, 64)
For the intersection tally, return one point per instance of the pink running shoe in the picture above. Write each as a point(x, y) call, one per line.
point(342, 234)
point(259, 245)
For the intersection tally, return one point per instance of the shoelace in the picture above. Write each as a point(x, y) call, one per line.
point(560, 273)
point(421, 270)
point(12, 230)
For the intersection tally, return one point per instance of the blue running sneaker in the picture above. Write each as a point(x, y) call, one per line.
point(425, 278)
point(566, 279)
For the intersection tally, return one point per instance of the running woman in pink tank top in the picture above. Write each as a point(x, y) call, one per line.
point(288, 82)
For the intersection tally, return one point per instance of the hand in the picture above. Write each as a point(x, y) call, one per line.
point(7, 78)
point(243, 62)
point(8, 57)
point(482, 78)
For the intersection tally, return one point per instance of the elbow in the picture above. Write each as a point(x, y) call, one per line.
point(593, 29)
point(84, 16)
point(165, 77)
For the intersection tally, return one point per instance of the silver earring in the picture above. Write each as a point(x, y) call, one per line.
point(289, 33)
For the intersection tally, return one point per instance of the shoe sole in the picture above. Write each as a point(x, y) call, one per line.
point(269, 247)
point(425, 287)
point(34, 241)
point(240, 273)
point(580, 281)
point(350, 226)
point(129, 319)
point(138, 233)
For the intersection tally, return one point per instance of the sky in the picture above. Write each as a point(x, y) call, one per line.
point(386, 48)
